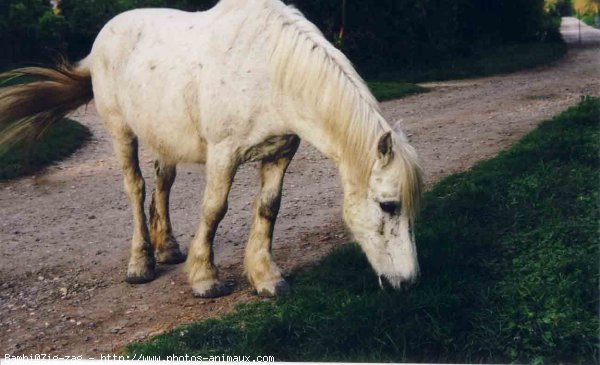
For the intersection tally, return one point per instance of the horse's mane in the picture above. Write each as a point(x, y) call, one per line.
point(305, 64)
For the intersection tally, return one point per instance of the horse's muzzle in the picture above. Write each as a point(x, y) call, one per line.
point(398, 283)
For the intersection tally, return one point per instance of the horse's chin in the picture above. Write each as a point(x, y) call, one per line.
point(398, 282)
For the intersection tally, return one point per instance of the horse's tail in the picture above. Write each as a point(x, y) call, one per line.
point(40, 97)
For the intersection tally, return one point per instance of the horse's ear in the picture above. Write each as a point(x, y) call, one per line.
point(385, 150)
point(398, 126)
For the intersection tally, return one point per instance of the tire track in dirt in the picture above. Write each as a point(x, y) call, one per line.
point(65, 233)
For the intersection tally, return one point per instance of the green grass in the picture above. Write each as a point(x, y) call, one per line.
point(61, 140)
point(483, 62)
point(394, 90)
point(57, 143)
point(590, 19)
point(509, 255)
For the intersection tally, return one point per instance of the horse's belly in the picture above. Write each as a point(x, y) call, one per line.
point(177, 141)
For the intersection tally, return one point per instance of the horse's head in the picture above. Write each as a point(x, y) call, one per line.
point(381, 219)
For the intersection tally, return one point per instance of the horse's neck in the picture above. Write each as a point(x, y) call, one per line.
point(353, 167)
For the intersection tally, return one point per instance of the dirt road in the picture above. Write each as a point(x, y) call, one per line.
point(65, 233)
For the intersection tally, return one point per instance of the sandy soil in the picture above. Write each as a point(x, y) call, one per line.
point(65, 233)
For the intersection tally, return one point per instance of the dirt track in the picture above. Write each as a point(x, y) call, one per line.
point(65, 233)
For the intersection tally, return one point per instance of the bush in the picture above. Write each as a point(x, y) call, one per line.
point(392, 34)
point(380, 34)
point(20, 28)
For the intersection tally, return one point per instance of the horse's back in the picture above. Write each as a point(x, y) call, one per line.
point(145, 75)
point(184, 80)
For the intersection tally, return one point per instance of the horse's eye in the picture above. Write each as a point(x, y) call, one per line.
point(389, 207)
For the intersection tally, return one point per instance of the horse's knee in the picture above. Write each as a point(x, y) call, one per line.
point(268, 205)
point(165, 174)
point(135, 185)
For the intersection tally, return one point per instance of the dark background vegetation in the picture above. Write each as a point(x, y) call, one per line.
point(380, 34)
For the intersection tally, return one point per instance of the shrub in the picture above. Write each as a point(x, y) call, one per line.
point(380, 34)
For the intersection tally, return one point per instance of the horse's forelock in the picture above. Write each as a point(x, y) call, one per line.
point(411, 182)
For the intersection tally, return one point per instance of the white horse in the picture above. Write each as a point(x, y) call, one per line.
point(243, 81)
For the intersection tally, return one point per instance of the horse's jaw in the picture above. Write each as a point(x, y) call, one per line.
point(391, 251)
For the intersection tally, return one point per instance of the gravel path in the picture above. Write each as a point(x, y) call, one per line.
point(65, 233)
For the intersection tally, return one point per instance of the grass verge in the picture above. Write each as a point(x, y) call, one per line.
point(590, 19)
point(509, 254)
point(57, 143)
point(483, 62)
point(394, 90)
point(60, 141)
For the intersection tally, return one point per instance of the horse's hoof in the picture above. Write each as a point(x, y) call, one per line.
point(172, 256)
point(140, 278)
point(212, 289)
point(273, 289)
point(141, 271)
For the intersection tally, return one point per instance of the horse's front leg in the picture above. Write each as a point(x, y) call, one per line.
point(141, 260)
point(166, 248)
point(202, 272)
point(262, 271)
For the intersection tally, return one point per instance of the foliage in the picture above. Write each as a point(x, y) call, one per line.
point(388, 34)
point(391, 34)
point(559, 7)
point(592, 20)
point(483, 62)
point(586, 6)
point(588, 11)
point(20, 28)
point(509, 256)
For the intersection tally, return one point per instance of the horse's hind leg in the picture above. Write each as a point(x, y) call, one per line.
point(202, 272)
point(262, 271)
point(166, 248)
point(141, 261)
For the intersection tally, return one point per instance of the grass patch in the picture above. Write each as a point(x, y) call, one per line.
point(509, 254)
point(394, 90)
point(483, 62)
point(58, 142)
point(590, 19)
point(61, 140)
